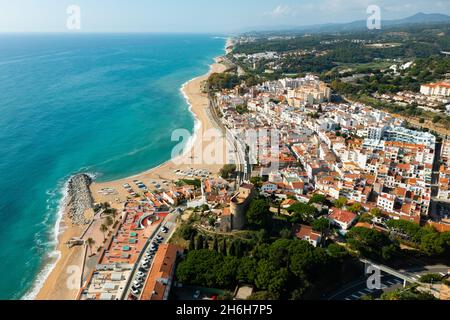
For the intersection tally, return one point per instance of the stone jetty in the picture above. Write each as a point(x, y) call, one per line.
point(79, 199)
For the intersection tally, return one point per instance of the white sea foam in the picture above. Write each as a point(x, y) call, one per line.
point(53, 256)
point(197, 123)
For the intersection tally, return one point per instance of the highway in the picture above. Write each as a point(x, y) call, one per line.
point(358, 288)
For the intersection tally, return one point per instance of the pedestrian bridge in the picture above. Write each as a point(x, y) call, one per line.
point(406, 278)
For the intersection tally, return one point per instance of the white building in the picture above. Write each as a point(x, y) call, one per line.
point(436, 89)
point(401, 134)
point(386, 202)
point(269, 187)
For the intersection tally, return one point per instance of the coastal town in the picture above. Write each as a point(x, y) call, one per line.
point(302, 169)
point(324, 170)
point(237, 159)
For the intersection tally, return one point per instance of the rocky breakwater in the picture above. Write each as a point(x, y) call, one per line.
point(79, 199)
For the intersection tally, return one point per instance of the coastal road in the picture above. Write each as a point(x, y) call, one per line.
point(170, 223)
point(358, 288)
point(235, 146)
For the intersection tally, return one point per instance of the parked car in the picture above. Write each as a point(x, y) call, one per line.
point(135, 291)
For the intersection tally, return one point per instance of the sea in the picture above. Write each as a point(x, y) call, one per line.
point(103, 104)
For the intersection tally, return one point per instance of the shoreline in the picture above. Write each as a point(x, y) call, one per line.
point(57, 274)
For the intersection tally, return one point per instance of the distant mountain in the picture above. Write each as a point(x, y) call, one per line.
point(419, 18)
point(423, 18)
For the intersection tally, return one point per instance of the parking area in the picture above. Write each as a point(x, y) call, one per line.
point(359, 289)
point(146, 262)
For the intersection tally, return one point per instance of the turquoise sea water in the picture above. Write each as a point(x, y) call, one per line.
point(105, 104)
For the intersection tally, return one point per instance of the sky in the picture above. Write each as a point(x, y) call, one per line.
point(204, 16)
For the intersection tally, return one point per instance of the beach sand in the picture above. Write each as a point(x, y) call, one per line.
point(55, 287)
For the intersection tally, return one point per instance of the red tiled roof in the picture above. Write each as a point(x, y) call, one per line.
point(303, 232)
point(163, 267)
point(342, 215)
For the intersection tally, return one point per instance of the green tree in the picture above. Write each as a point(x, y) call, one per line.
point(302, 212)
point(318, 198)
point(269, 277)
point(256, 181)
point(371, 243)
point(258, 213)
point(192, 243)
point(376, 212)
point(199, 242)
point(355, 208)
point(247, 270)
point(113, 214)
point(227, 171)
point(223, 247)
point(431, 278)
point(104, 229)
point(215, 245)
point(231, 248)
point(321, 225)
point(341, 203)
point(186, 231)
point(337, 251)
point(432, 244)
point(109, 221)
point(286, 234)
point(264, 296)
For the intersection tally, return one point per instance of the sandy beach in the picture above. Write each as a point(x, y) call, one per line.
point(191, 159)
point(56, 285)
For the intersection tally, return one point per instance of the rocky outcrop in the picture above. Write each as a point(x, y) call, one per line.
point(79, 198)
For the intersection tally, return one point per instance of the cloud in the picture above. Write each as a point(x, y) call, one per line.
point(281, 10)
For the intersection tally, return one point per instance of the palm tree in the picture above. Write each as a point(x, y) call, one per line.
point(113, 214)
point(90, 243)
point(104, 229)
point(109, 221)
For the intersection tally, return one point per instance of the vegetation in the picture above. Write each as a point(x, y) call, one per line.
point(407, 294)
point(303, 213)
point(220, 81)
point(431, 278)
point(190, 182)
point(338, 57)
point(187, 231)
point(372, 244)
point(318, 199)
point(227, 171)
point(321, 225)
point(340, 203)
point(104, 230)
point(426, 239)
point(285, 268)
point(258, 214)
point(241, 109)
